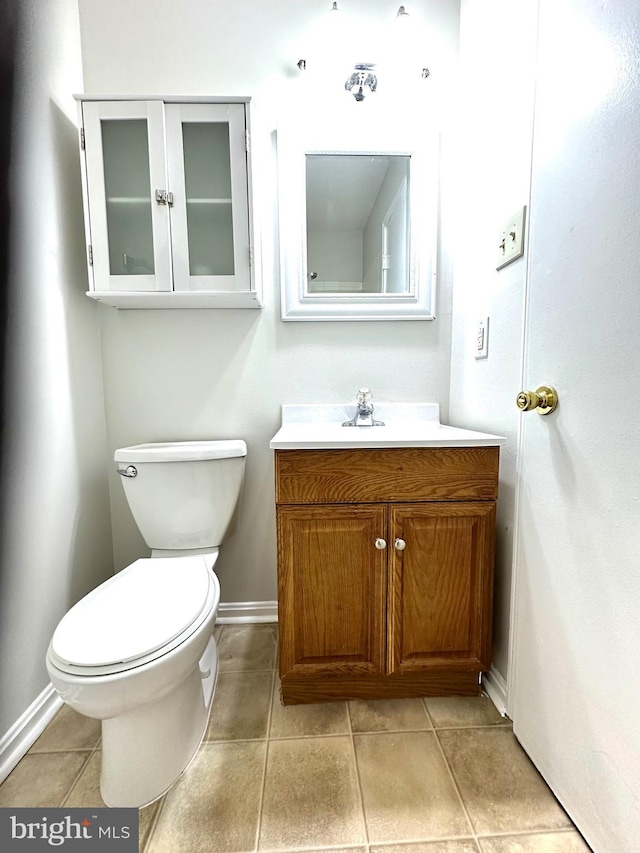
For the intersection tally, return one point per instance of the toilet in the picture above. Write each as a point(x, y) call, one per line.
point(138, 651)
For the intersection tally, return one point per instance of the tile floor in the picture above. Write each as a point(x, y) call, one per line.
point(401, 776)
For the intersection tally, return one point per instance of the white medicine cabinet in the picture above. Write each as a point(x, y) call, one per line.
point(168, 206)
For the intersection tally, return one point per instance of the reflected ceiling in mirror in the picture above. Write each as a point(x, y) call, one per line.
point(358, 223)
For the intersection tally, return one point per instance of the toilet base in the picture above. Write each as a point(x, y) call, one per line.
point(146, 750)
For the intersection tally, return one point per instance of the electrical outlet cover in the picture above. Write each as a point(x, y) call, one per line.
point(511, 241)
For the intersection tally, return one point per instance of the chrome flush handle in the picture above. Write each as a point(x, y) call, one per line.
point(129, 471)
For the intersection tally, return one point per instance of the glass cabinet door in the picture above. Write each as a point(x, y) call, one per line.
point(127, 192)
point(208, 178)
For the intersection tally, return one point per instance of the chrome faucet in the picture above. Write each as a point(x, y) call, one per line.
point(364, 411)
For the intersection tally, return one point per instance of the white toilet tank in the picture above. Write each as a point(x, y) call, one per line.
point(182, 494)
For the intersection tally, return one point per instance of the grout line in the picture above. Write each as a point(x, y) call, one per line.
point(153, 826)
point(472, 726)
point(456, 786)
point(359, 780)
point(263, 786)
point(58, 750)
point(526, 832)
point(432, 840)
point(429, 717)
point(226, 671)
point(324, 849)
point(90, 753)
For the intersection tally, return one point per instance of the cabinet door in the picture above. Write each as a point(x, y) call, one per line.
point(208, 179)
point(126, 165)
point(331, 589)
point(440, 586)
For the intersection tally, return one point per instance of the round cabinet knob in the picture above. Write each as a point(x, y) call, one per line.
point(400, 544)
point(543, 400)
point(381, 544)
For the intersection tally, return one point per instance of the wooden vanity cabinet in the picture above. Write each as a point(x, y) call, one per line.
point(385, 571)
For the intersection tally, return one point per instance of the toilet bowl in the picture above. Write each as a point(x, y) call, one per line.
point(138, 652)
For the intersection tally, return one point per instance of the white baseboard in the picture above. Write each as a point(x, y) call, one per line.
point(247, 612)
point(26, 730)
point(496, 689)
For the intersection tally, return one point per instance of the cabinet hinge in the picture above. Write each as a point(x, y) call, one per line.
point(90, 256)
point(247, 141)
point(250, 256)
point(82, 138)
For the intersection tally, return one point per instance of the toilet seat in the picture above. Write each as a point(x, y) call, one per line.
point(135, 617)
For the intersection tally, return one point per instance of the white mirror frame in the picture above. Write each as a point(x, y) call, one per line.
point(296, 303)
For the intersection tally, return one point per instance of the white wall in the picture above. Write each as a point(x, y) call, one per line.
point(56, 541)
point(194, 374)
point(497, 60)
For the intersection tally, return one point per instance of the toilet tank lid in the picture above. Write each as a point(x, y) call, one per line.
point(181, 451)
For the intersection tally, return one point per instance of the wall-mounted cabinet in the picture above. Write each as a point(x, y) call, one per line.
point(168, 207)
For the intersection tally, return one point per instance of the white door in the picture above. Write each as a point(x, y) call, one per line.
point(575, 673)
point(127, 195)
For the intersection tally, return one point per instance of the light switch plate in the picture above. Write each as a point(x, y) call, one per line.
point(511, 240)
point(482, 338)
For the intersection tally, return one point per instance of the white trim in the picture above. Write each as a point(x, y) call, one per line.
point(496, 689)
point(247, 612)
point(177, 299)
point(167, 99)
point(27, 729)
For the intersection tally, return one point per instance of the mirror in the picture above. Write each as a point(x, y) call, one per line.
point(357, 209)
point(357, 233)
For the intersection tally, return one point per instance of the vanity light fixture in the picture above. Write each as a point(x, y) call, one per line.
point(363, 76)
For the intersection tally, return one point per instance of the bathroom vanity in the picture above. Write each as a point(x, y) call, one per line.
point(385, 554)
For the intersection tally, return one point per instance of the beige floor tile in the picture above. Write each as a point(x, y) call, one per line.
point(311, 796)
point(324, 718)
point(460, 711)
point(547, 842)
point(86, 793)
point(407, 790)
point(215, 805)
point(501, 788)
point(240, 707)
point(247, 647)
point(387, 715)
point(458, 846)
point(42, 780)
point(68, 730)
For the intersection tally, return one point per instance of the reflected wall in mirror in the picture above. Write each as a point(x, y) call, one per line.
point(357, 211)
point(357, 225)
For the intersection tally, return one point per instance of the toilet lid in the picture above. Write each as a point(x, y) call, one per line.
point(137, 611)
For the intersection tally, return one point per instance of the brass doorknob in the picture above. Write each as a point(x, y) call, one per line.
point(543, 400)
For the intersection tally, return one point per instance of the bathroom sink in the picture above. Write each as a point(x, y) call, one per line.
point(319, 426)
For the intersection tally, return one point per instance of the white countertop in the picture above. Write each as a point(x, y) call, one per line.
point(319, 427)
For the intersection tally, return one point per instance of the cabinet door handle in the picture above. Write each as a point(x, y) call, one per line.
point(400, 544)
point(381, 544)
